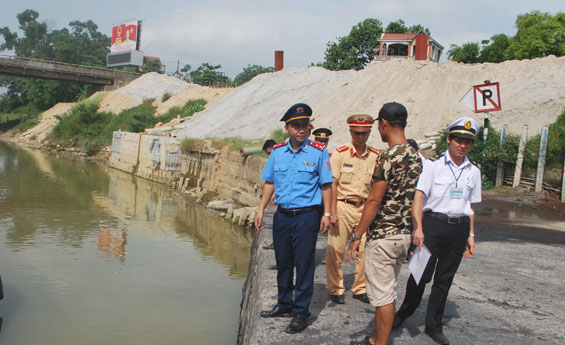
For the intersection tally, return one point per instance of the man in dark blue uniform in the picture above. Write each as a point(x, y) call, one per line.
point(299, 173)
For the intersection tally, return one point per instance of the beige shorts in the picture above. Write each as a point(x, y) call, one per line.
point(383, 258)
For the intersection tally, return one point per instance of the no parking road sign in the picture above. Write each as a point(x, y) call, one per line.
point(483, 98)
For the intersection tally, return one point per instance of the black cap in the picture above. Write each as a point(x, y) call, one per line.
point(393, 112)
point(322, 134)
point(298, 114)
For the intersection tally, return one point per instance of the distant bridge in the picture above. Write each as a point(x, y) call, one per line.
point(100, 79)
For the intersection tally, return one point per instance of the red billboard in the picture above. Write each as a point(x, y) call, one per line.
point(124, 37)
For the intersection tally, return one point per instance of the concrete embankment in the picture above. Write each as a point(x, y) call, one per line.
point(510, 292)
point(204, 171)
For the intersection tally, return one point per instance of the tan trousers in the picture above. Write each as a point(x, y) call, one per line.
point(348, 217)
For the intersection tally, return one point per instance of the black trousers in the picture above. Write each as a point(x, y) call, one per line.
point(446, 242)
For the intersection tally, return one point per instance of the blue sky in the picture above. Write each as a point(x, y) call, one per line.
point(237, 33)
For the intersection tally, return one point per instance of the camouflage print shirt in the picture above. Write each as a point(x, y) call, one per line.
point(400, 167)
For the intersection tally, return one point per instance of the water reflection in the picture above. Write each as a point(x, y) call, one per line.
point(97, 256)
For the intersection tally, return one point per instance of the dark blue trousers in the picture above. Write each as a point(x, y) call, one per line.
point(294, 239)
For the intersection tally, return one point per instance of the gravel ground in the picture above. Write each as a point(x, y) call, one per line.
point(510, 292)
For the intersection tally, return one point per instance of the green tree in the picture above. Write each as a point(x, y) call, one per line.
point(355, 50)
point(80, 44)
point(185, 72)
point(397, 27)
point(494, 49)
point(150, 65)
point(539, 34)
point(207, 75)
point(250, 72)
point(416, 29)
point(467, 53)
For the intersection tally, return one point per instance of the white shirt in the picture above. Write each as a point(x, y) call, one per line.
point(441, 180)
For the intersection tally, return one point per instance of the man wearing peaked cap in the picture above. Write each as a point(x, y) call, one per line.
point(298, 114)
point(352, 169)
point(298, 172)
point(387, 218)
point(444, 223)
point(465, 127)
point(322, 136)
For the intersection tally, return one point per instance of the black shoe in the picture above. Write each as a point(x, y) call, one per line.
point(269, 247)
point(339, 299)
point(438, 337)
point(397, 321)
point(275, 312)
point(297, 325)
point(362, 297)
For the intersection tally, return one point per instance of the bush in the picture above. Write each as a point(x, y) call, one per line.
point(555, 150)
point(279, 135)
point(508, 152)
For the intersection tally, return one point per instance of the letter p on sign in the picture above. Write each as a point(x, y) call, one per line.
point(483, 98)
point(487, 97)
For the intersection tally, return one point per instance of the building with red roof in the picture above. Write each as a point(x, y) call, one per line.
point(410, 46)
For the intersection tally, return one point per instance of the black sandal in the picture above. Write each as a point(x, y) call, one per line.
point(365, 341)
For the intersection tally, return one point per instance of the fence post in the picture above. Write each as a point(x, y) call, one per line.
point(520, 158)
point(563, 183)
point(499, 167)
point(541, 160)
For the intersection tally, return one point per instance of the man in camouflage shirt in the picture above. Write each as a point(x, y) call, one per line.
point(387, 218)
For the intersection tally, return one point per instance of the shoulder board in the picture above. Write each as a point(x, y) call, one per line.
point(341, 149)
point(317, 145)
point(477, 164)
point(435, 157)
point(372, 149)
point(280, 144)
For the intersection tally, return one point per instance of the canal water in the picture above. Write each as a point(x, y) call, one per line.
point(91, 255)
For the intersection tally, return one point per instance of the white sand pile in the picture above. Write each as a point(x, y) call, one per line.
point(47, 121)
point(149, 86)
point(532, 93)
point(252, 111)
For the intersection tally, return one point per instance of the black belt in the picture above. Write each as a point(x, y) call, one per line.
point(352, 202)
point(448, 219)
point(291, 212)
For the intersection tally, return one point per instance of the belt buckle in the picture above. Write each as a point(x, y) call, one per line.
point(455, 220)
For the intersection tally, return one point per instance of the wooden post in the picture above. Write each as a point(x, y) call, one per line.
point(520, 158)
point(499, 167)
point(541, 160)
point(563, 183)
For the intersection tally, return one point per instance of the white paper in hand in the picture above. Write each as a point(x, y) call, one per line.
point(418, 263)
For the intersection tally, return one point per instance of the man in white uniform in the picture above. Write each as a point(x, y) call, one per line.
point(443, 222)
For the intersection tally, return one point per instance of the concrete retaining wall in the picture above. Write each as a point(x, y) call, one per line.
point(159, 158)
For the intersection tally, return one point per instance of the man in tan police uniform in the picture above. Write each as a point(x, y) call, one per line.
point(352, 169)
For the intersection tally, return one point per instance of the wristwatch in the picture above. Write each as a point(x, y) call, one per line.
point(327, 214)
point(353, 238)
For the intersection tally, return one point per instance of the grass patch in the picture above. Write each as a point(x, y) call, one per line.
point(279, 135)
point(90, 130)
point(191, 144)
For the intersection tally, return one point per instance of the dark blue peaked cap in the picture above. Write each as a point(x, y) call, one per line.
point(299, 113)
